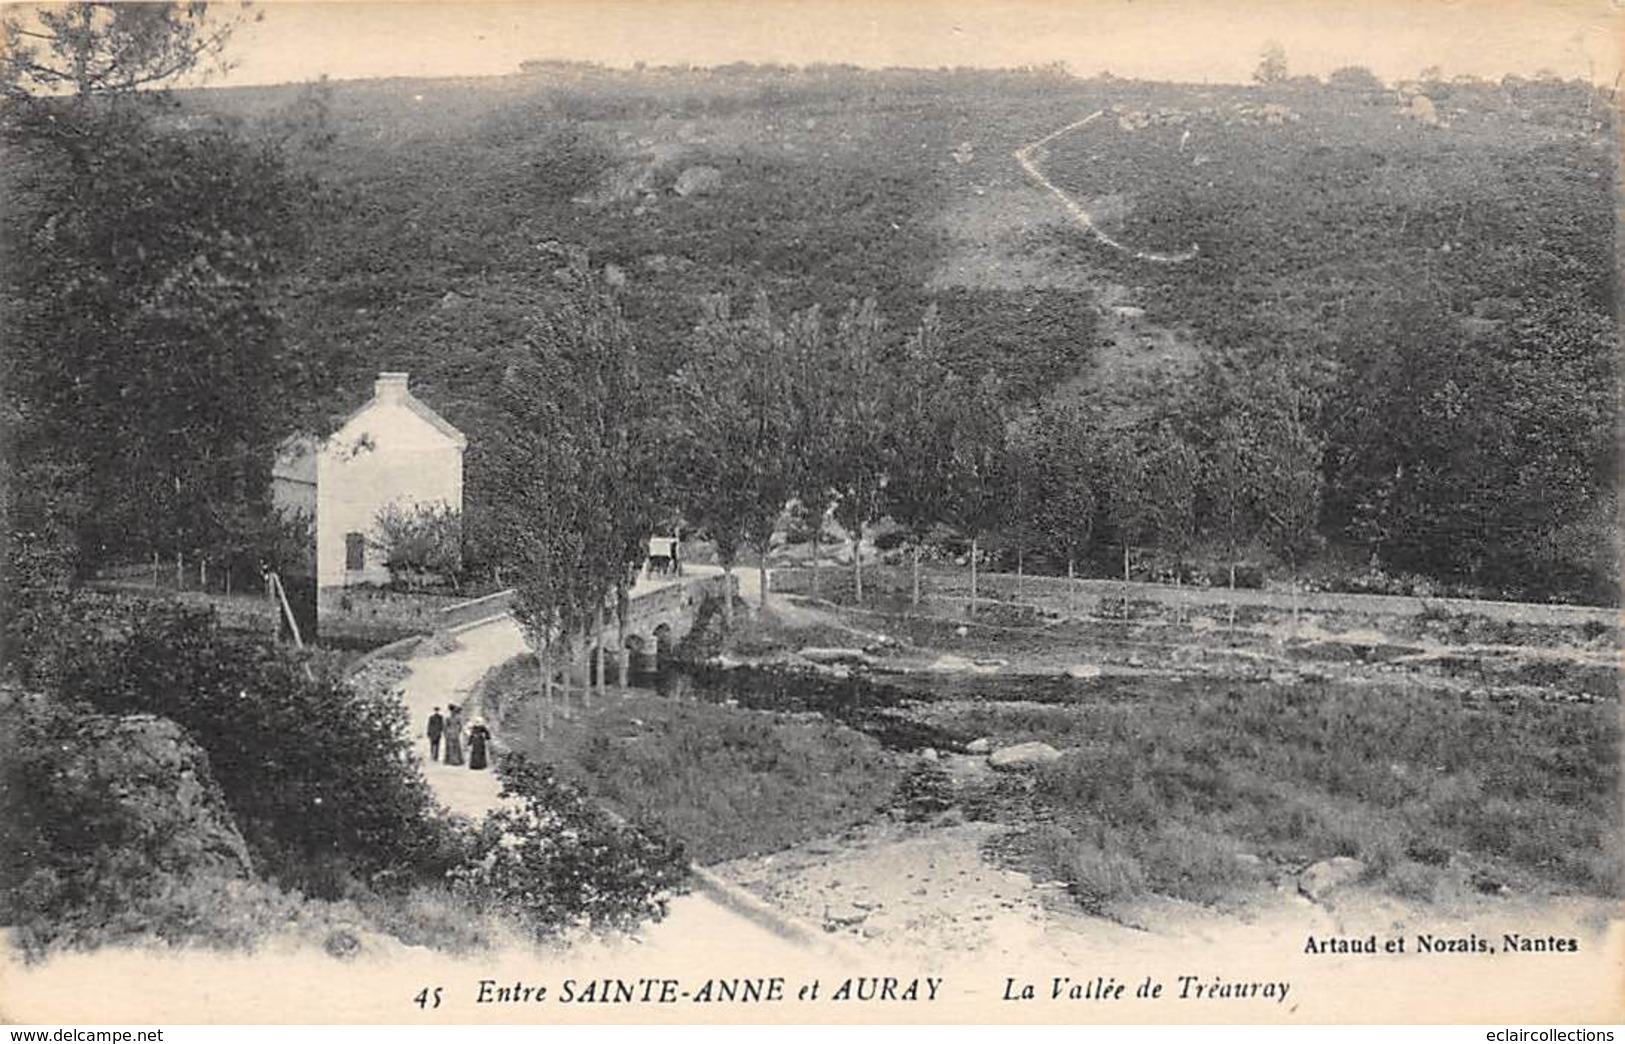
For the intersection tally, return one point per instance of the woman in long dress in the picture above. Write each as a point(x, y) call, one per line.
point(454, 735)
point(478, 737)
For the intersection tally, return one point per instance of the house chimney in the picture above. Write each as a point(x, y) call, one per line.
point(390, 387)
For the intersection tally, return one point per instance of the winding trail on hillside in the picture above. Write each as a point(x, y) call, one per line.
point(1024, 156)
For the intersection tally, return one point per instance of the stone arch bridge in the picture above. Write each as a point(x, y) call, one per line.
point(661, 612)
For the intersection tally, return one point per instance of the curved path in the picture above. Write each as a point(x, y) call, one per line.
point(1023, 156)
point(697, 928)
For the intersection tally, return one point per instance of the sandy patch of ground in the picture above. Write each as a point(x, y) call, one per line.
point(914, 889)
point(927, 893)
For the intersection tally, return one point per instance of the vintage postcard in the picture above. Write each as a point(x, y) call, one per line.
point(904, 512)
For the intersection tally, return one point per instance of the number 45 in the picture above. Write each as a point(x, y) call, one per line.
point(428, 998)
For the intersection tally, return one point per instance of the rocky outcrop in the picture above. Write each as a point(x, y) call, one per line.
point(1328, 875)
point(697, 181)
point(140, 785)
point(1023, 756)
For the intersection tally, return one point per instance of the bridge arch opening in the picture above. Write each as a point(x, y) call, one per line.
point(664, 645)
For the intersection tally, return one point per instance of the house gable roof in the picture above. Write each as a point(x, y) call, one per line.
point(402, 396)
point(418, 407)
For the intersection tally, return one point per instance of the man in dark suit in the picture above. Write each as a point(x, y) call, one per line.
point(437, 728)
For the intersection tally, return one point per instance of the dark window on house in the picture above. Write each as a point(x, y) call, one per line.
point(355, 551)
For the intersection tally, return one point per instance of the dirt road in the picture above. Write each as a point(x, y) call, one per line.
point(698, 927)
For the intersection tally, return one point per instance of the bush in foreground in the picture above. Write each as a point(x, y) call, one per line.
point(319, 776)
point(557, 862)
point(182, 784)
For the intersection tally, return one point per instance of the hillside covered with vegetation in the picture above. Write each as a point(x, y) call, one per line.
point(1424, 277)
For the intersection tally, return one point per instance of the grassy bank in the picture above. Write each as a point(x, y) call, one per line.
point(726, 781)
point(1194, 788)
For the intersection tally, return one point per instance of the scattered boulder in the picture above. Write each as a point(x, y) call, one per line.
point(697, 181)
point(978, 746)
point(966, 771)
point(1328, 875)
point(343, 943)
point(655, 263)
point(1284, 677)
point(950, 662)
point(623, 184)
point(1083, 670)
point(557, 250)
point(844, 915)
point(1023, 756)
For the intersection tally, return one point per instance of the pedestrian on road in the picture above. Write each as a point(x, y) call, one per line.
point(478, 737)
point(454, 734)
point(437, 728)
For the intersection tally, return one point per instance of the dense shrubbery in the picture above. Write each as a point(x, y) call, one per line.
point(320, 777)
point(174, 762)
point(422, 545)
point(558, 862)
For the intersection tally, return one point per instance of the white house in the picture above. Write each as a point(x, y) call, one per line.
point(393, 450)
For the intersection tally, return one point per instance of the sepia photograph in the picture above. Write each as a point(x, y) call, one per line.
point(917, 511)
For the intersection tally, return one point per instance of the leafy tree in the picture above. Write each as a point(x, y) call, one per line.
point(564, 499)
point(1128, 506)
point(1452, 454)
point(1289, 490)
point(98, 49)
point(140, 294)
point(813, 400)
point(1272, 66)
point(623, 450)
point(1022, 478)
point(1061, 445)
point(420, 539)
point(1171, 473)
point(739, 431)
point(919, 438)
point(1228, 484)
point(860, 426)
point(975, 429)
